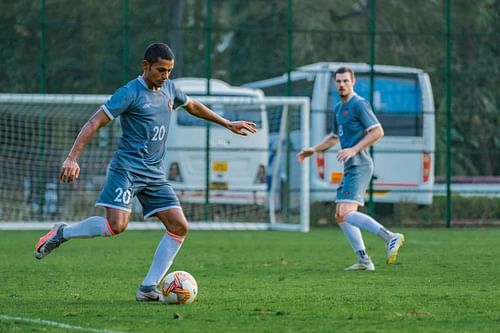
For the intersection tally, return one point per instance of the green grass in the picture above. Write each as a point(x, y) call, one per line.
point(444, 281)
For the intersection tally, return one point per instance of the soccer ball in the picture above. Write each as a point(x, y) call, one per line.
point(179, 287)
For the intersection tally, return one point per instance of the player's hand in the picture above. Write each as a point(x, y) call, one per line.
point(70, 170)
point(345, 154)
point(303, 154)
point(242, 127)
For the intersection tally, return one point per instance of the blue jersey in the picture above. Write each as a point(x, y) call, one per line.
point(145, 119)
point(351, 122)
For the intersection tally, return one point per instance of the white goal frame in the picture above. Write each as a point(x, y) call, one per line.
point(302, 102)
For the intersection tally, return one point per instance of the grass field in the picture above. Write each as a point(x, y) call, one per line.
point(444, 281)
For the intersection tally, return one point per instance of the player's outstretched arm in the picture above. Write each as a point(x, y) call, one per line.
point(201, 111)
point(328, 142)
point(70, 170)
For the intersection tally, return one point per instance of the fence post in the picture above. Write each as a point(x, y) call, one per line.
point(448, 113)
point(42, 88)
point(208, 63)
point(373, 27)
point(41, 57)
point(125, 46)
point(289, 87)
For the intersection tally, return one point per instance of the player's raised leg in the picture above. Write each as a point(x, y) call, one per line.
point(95, 226)
point(177, 228)
point(115, 222)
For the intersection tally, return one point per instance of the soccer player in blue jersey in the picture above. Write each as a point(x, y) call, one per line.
point(357, 128)
point(144, 106)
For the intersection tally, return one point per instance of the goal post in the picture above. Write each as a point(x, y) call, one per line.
point(224, 181)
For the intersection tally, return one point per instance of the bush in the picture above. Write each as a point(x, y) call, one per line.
point(465, 211)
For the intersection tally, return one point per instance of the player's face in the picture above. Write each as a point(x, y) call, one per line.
point(344, 83)
point(156, 74)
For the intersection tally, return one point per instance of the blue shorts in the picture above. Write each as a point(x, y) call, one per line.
point(354, 184)
point(154, 194)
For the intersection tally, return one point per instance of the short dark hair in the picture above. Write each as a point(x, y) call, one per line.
point(158, 50)
point(344, 69)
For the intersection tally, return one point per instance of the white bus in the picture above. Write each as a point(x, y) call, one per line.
point(237, 163)
point(404, 104)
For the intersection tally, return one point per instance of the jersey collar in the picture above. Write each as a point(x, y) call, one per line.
point(143, 82)
point(350, 98)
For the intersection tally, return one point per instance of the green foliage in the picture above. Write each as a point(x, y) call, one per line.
point(444, 281)
point(94, 46)
point(466, 211)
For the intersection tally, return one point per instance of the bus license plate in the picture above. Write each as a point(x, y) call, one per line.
point(219, 166)
point(336, 177)
point(219, 186)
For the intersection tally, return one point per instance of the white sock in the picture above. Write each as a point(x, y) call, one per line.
point(93, 226)
point(362, 256)
point(365, 222)
point(163, 258)
point(353, 236)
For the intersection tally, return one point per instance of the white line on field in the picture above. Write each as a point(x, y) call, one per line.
point(56, 324)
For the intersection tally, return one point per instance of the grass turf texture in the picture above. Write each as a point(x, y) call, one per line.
point(444, 281)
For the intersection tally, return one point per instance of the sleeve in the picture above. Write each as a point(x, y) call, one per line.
point(118, 103)
point(180, 99)
point(366, 116)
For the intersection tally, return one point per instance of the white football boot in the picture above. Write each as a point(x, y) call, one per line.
point(149, 296)
point(393, 248)
point(362, 265)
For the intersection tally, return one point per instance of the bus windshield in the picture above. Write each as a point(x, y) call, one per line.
point(397, 102)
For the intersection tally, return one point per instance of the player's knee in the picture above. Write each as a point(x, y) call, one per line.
point(341, 214)
point(179, 228)
point(117, 220)
point(339, 218)
point(117, 225)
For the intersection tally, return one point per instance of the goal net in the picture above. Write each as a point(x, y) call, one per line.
point(224, 181)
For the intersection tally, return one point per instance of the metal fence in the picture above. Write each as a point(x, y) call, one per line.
point(56, 46)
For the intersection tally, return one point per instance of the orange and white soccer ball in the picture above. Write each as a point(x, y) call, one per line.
point(179, 287)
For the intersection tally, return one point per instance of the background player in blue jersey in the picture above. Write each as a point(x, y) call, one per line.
point(144, 105)
point(356, 127)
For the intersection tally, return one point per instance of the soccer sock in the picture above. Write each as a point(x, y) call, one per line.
point(362, 255)
point(93, 226)
point(163, 258)
point(365, 222)
point(353, 236)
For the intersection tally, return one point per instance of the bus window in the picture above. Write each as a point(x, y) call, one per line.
point(300, 87)
point(397, 103)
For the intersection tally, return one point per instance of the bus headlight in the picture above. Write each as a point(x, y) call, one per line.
point(426, 167)
point(320, 165)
